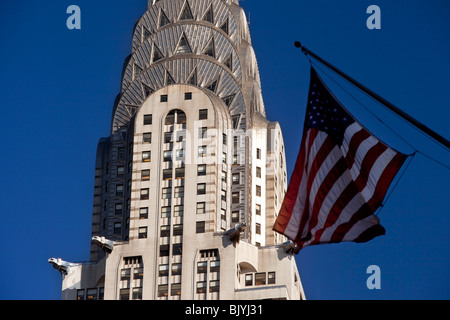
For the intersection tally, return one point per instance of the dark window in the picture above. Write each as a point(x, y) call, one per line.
point(201, 170)
point(271, 278)
point(203, 114)
point(147, 119)
point(188, 96)
point(163, 98)
point(143, 213)
point(145, 194)
point(176, 249)
point(147, 137)
point(163, 290)
point(202, 267)
point(165, 231)
point(175, 289)
point(124, 294)
point(260, 278)
point(201, 188)
point(201, 207)
point(142, 233)
point(164, 250)
point(200, 227)
point(178, 230)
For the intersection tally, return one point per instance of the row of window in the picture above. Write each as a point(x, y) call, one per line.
point(259, 278)
point(180, 116)
point(91, 294)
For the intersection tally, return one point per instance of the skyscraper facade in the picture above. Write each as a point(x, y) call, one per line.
point(189, 182)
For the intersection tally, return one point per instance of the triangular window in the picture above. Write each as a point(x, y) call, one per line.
point(169, 79)
point(136, 71)
point(157, 54)
point(229, 99)
point(146, 90)
point(145, 34)
point(213, 86)
point(209, 49)
point(186, 13)
point(229, 62)
point(163, 20)
point(208, 16)
point(224, 26)
point(183, 46)
point(193, 78)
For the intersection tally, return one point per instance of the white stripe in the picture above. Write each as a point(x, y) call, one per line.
point(360, 227)
point(361, 152)
point(315, 147)
point(348, 134)
point(375, 173)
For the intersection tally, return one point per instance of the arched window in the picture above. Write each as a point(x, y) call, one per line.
point(175, 116)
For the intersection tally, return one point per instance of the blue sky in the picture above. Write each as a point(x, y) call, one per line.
point(58, 87)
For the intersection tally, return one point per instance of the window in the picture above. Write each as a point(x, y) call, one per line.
point(147, 137)
point(175, 289)
point(178, 230)
point(163, 290)
point(176, 269)
point(147, 119)
point(214, 266)
point(271, 278)
point(235, 178)
point(235, 216)
point(178, 211)
point(202, 151)
point(214, 286)
point(119, 190)
point(203, 114)
point(224, 158)
point(258, 191)
point(188, 96)
point(201, 287)
point(179, 192)
point(180, 156)
point(167, 174)
point(142, 233)
point(202, 132)
point(165, 212)
point(258, 209)
point(143, 213)
point(249, 279)
point(80, 294)
point(167, 193)
point(235, 197)
point(121, 153)
point(258, 228)
point(137, 293)
point(101, 293)
point(145, 175)
point(224, 139)
point(164, 250)
point(167, 155)
point(163, 270)
point(146, 156)
point(163, 98)
point(201, 207)
point(145, 193)
point(202, 267)
point(117, 227)
point(176, 249)
point(120, 171)
point(223, 195)
point(260, 278)
point(258, 153)
point(118, 209)
point(125, 274)
point(179, 173)
point(168, 137)
point(183, 47)
point(164, 231)
point(201, 188)
point(200, 227)
point(124, 294)
point(258, 172)
point(201, 170)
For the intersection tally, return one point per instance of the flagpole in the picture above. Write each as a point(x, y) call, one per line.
point(389, 105)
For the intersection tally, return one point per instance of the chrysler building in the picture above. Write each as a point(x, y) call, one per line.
point(189, 181)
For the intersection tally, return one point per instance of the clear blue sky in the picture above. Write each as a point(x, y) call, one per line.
point(57, 91)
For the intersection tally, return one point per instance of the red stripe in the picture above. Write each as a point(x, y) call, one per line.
point(366, 165)
point(353, 145)
point(291, 194)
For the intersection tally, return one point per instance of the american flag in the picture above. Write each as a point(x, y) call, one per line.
point(340, 179)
